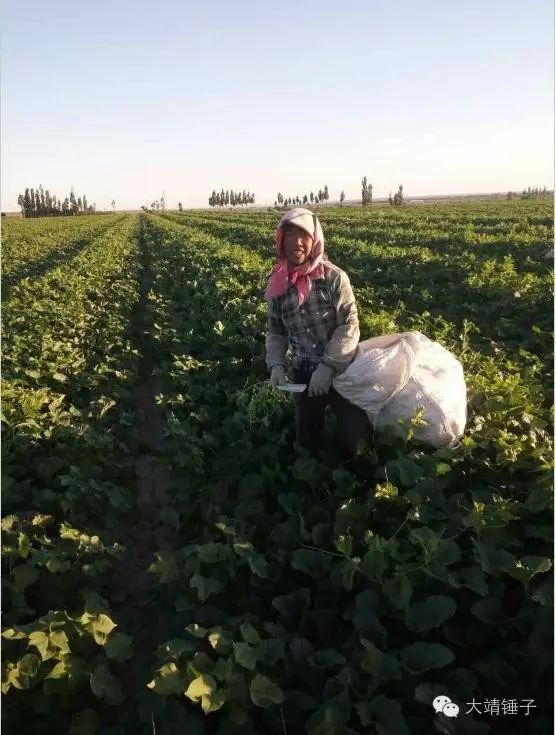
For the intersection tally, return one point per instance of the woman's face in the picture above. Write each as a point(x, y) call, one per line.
point(297, 244)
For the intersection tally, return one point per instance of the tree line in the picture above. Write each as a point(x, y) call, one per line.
point(321, 196)
point(159, 204)
point(367, 195)
point(230, 198)
point(40, 203)
point(533, 193)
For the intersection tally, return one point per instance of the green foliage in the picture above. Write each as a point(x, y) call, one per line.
point(356, 611)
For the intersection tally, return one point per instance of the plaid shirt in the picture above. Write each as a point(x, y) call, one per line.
point(325, 328)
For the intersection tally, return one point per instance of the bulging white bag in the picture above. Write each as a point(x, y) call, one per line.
point(394, 376)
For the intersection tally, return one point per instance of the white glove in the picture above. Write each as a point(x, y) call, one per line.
point(278, 375)
point(321, 380)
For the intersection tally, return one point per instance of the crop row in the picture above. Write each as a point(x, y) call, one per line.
point(31, 247)
point(69, 366)
point(444, 267)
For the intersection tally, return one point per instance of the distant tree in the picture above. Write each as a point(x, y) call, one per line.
point(180, 208)
point(342, 197)
point(37, 204)
point(390, 200)
point(311, 197)
point(42, 205)
point(66, 206)
point(27, 206)
point(280, 198)
point(366, 192)
point(305, 199)
point(398, 196)
point(326, 195)
point(85, 207)
point(114, 205)
point(21, 203)
point(79, 205)
point(509, 195)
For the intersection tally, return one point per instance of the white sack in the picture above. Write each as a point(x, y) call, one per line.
point(393, 376)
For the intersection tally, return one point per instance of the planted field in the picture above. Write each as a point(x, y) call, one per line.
point(170, 566)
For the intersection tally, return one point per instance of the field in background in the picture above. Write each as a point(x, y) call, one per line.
point(171, 566)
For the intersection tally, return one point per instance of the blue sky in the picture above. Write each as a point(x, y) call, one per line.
point(125, 99)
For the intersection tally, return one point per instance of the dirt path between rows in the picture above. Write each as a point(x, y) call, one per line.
point(134, 588)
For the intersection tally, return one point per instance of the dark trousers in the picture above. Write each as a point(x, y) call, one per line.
point(353, 423)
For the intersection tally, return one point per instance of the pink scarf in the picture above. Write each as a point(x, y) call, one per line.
point(283, 274)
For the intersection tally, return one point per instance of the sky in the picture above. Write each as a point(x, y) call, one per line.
point(126, 99)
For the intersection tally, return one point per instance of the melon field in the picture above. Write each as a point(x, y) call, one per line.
point(172, 567)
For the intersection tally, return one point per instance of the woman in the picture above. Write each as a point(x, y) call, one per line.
point(311, 309)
